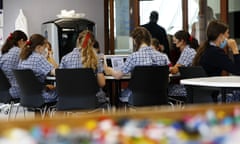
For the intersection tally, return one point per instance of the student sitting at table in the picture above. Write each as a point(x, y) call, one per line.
point(187, 45)
point(32, 57)
point(84, 56)
point(211, 55)
point(144, 54)
point(49, 55)
point(158, 47)
point(10, 58)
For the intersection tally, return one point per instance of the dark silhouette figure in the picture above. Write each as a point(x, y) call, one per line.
point(157, 31)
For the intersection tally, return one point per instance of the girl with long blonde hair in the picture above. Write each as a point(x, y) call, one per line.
point(84, 56)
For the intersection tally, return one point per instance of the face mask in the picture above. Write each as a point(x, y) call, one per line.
point(223, 44)
point(45, 52)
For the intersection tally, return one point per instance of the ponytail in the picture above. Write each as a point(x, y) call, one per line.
point(86, 41)
point(200, 51)
point(12, 40)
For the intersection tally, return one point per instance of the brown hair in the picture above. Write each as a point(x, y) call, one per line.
point(214, 29)
point(49, 46)
point(12, 40)
point(155, 43)
point(86, 41)
point(141, 35)
point(34, 41)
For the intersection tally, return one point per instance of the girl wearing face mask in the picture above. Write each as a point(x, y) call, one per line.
point(211, 54)
point(49, 55)
point(33, 57)
point(187, 45)
point(214, 60)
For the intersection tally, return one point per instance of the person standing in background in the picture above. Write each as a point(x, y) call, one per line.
point(198, 26)
point(157, 31)
point(10, 58)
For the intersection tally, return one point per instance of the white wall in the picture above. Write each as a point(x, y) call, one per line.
point(39, 11)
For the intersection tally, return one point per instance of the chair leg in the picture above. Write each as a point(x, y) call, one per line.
point(24, 112)
point(51, 111)
point(43, 112)
point(10, 110)
point(18, 105)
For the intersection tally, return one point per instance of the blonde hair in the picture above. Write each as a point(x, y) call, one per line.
point(86, 41)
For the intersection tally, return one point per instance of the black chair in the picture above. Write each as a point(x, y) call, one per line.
point(31, 92)
point(192, 72)
point(196, 94)
point(5, 96)
point(149, 86)
point(77, 89)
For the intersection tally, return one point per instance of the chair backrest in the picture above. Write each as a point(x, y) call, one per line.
point(5, 97)
point(149, 85)
point(192, 93)
point(30, 87)
point(192, 72)
point(76, 89)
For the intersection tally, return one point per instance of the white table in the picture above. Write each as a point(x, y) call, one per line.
point(222, 82)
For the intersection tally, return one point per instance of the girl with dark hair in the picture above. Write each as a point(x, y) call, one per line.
point(187, 45)
point(212, 57)
point(144, 55)
point(10, 58)
point(32, 57)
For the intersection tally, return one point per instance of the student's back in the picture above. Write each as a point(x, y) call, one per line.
point(10, 58)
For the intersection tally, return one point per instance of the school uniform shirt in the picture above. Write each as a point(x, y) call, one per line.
point(73, 60)
point(185, 59)
point(9, 61)
point(144, 56)
point(41, 68)
point(186, 56)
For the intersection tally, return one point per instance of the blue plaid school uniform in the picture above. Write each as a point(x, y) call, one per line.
point(144, 56)
point(185, 59)
point(41, 67)
point(73, 60)
point(9, 61)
